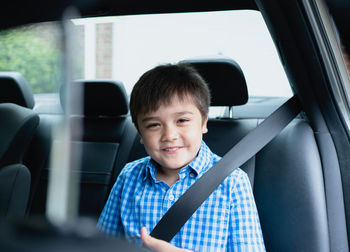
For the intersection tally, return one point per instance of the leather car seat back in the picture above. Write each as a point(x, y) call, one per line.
point(98, 132)
point(15, 89)
point(18, 125)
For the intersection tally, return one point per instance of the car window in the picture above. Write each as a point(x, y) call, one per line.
point(334, 54)
point(36, 52)
point(125, 47)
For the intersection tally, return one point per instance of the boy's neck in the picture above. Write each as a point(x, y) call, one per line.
point(168, 177)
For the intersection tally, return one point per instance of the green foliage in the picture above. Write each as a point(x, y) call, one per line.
point(34, 52)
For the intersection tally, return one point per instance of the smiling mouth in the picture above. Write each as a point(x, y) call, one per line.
point(171, 149)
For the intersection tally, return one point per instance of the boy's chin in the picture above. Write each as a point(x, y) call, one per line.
point(173, 167)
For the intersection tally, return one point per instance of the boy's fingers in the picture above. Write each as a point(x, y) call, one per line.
point(155, 244)
point(151, 242)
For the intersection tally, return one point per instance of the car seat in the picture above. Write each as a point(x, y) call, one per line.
point(18, 125)
point(99, 131)
point(286, 175)
point(14, 89)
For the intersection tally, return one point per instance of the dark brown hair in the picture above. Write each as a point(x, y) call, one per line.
point(161, 84)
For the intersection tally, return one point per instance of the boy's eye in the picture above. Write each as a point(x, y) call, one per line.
point(183, 120)
point(152, 125)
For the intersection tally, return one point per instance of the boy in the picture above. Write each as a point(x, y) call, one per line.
point(169, 107)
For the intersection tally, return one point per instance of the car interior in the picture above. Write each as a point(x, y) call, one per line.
point(300, 179)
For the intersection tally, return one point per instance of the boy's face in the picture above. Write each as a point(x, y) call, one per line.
point(172, 135)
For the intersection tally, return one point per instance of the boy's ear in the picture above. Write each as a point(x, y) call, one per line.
point(204, 126)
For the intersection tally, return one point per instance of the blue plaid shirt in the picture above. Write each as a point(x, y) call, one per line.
point(226, 221)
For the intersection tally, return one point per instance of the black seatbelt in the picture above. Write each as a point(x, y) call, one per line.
point(248, 146)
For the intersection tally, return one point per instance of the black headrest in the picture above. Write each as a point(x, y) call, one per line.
point(225, 79)
point(101, 98)
point(17, 127)
point(15, 89)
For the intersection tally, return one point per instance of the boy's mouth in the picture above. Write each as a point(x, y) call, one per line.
point(172, 149)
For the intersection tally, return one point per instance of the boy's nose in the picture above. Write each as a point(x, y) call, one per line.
point(169, 134)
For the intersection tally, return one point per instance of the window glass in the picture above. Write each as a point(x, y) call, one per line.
point(125, 47)
point(34, 51)
point(331, 36)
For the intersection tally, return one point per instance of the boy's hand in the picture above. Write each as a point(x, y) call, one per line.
point(158, 245)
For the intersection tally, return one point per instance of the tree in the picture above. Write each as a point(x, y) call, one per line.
point(34, 52)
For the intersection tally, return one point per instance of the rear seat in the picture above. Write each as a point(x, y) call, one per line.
point(106, 128)
point(105, 122)
point(286, 175)
point(18, 125)
point(106, 135)
point(15, 89)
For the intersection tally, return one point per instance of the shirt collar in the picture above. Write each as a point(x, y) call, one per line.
point(150, 170)
point(198, 166)
point(200, 163)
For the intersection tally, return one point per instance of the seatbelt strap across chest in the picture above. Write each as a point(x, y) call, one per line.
point(247, 147)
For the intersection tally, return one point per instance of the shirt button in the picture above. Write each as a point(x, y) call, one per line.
point(192, 175)
point(171, 197)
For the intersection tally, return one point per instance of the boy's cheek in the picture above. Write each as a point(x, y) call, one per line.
point(147, 140)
